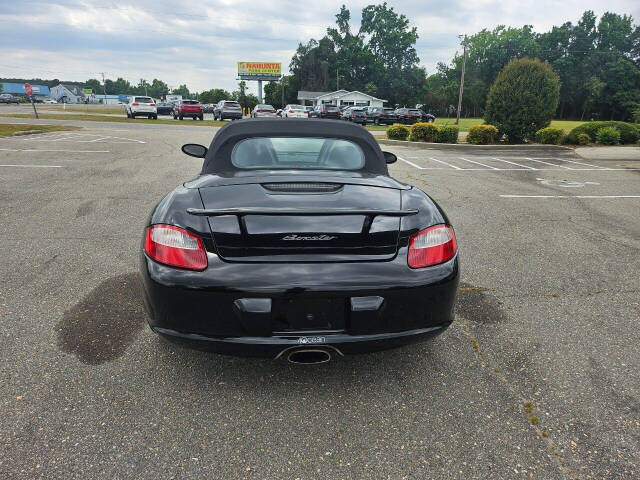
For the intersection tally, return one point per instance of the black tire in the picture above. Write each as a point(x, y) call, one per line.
point(149, 117)
point(201, 117)
point(155, 117)
point(181, 117)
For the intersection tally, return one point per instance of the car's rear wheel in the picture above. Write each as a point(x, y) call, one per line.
point(181, 117)
point(201, 117)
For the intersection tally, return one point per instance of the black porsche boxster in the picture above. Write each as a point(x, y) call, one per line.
point(294, 242)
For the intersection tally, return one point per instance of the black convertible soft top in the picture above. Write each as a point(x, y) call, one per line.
point(218, 158)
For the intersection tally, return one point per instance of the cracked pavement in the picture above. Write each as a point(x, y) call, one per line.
point(537, 378)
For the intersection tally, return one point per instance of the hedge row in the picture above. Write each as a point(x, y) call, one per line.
point(629, 133)
point(424, 132)
point(482, 134)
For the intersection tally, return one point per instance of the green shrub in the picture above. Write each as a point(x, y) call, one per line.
point(424, 132)
point(629, 133)
point(608, 136)
point(523, 99)
point(482, 134)
point(584, 139)
point(448, 134)
point(398, 132)
point(636, 115)
point(550, 136)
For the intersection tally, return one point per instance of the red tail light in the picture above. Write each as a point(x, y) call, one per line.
point(135, 104)
point(175, 247)
point(290, 111)
point(152, 104)
point(272, 111)
point(325, 111)
point(432, 246)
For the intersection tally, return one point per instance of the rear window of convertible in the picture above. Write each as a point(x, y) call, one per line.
point(297, 153)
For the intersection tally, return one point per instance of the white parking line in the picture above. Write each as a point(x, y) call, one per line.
point(547, 163)
point(514, 163)
point(445, 163)
point(34, 166)
point(411, 163)
point(50, 150)
point(578, 163)
point(570, 196)
point(477, 163)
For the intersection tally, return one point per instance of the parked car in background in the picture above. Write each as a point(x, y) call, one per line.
point(309, 109)
point(164, 108)
point(208, 107)
point(279, 113)
point(141, 107)
point(49, 101)
point(188, 108)
point(8, 98)
point(263, 110)
point(325, 111)
point(344, 113)
point(408, 116)
point(381, 115)
point(294, 111)
point(227, 109)
point(426, 117)
point(357, 115)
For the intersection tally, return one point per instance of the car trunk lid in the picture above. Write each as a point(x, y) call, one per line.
point(303, 221)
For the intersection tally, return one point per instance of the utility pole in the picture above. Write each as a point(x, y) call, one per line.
point(464, 60)
point(282, 83)
point(104, 90)
point(337, 80)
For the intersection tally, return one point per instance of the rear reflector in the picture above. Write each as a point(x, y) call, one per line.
point(175, 247)
point(432, 246)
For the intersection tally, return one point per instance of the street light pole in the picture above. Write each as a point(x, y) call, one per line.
point(104, 90)
point(464, 60)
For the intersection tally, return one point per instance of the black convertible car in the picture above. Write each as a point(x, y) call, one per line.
point(294, 242)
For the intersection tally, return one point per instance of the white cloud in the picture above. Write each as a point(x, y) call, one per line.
point(200, 43)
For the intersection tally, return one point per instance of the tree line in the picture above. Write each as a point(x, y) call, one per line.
point(598, 62)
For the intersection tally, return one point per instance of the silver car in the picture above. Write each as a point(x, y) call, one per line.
point(263, 110)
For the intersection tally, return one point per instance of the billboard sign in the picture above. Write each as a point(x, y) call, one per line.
point(87, 90)
point(259, 70)
point(173, 98)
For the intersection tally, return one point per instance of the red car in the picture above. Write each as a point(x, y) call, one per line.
point(188, 108)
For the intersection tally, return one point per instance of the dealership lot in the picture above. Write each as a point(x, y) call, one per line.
point(537, 378)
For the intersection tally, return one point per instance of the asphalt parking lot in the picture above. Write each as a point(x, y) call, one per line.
point(536, 378)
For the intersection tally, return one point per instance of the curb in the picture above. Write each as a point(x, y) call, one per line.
point(462, 146)
point(26, 132)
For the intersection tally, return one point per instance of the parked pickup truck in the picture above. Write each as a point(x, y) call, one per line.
point(188, 108)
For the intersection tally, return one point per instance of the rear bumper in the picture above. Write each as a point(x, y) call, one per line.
point(224, 115)
point(272, 347)
point(237, 308)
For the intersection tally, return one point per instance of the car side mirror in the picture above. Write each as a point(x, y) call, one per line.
point(388, 157)
point(195, 150)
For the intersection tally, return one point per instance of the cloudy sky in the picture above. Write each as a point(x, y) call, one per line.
point(199, 43)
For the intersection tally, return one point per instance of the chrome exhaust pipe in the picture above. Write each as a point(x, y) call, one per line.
point(309, 356)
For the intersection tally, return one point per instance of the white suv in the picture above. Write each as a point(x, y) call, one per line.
point(141, 106)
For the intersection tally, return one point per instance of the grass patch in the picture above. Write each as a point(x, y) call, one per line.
point(465, 123)
point(8, 129)
point(105, 118)
point(80, 108)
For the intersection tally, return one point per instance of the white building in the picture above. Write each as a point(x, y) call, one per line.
point(67, 93)
point(339, 97)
